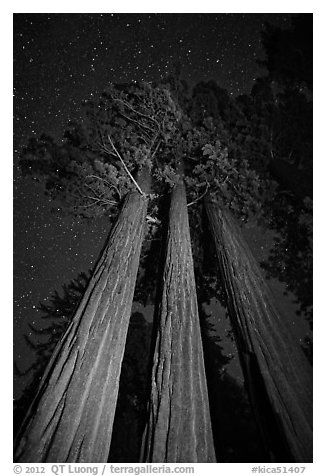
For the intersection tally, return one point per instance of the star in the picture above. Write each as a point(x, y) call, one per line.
point(62, 59)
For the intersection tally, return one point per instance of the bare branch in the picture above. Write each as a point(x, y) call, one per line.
point(109, 184)
point(125, 103)
point(156, 148)
point(125, 167)
point(97, 201)
point(137, 122)
point(104, 149)
point(144, 138)
point(200, 197)
point(97, 195)
point(155, 220)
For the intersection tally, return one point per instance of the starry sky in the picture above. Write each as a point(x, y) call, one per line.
point(61, 60)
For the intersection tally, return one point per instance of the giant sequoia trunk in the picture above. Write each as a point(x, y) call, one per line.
point(277, 374)
point(179, 427)
point(71, 417)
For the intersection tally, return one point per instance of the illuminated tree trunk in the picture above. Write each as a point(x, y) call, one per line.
point(179, 426)
point(72, 415)
point(278, 375)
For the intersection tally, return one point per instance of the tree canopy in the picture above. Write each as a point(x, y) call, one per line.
point(251, 154)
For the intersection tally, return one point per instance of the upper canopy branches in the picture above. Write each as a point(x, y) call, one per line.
point(97, 163)
point(130, 127)
point(132, 124)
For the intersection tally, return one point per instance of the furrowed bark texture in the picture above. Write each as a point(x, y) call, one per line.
point(277, 374)
point(179, 426)
point(71, 417)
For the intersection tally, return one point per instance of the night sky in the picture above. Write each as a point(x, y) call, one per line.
point(62, 59)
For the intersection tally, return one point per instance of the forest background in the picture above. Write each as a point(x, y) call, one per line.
point(43, 309)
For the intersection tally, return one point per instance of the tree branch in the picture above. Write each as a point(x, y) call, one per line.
point(92, 190)
point(97, 200)
point(125, 167)
point(103, 148)
point(125, 103)
point(156, 148)
point(200, 197)
point(137, 122)
point(109, 184)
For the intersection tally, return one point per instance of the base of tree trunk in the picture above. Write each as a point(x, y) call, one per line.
point(72, 415)
point(278, 375)
point(179, 426)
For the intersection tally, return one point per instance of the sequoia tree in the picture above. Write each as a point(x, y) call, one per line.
point(93, 172)
point(72, 415)
point(179, 426)
point(55, 316)
point(278, 375)
point(122, 158)
point(239, 141)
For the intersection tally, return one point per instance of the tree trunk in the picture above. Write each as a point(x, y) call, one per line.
point(72, 415)
point(179, 426)
point(278, 376)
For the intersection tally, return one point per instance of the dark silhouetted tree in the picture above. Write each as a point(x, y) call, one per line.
point(179, 425)
point(289, 52)
point(56, 316)
point(129, 417)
